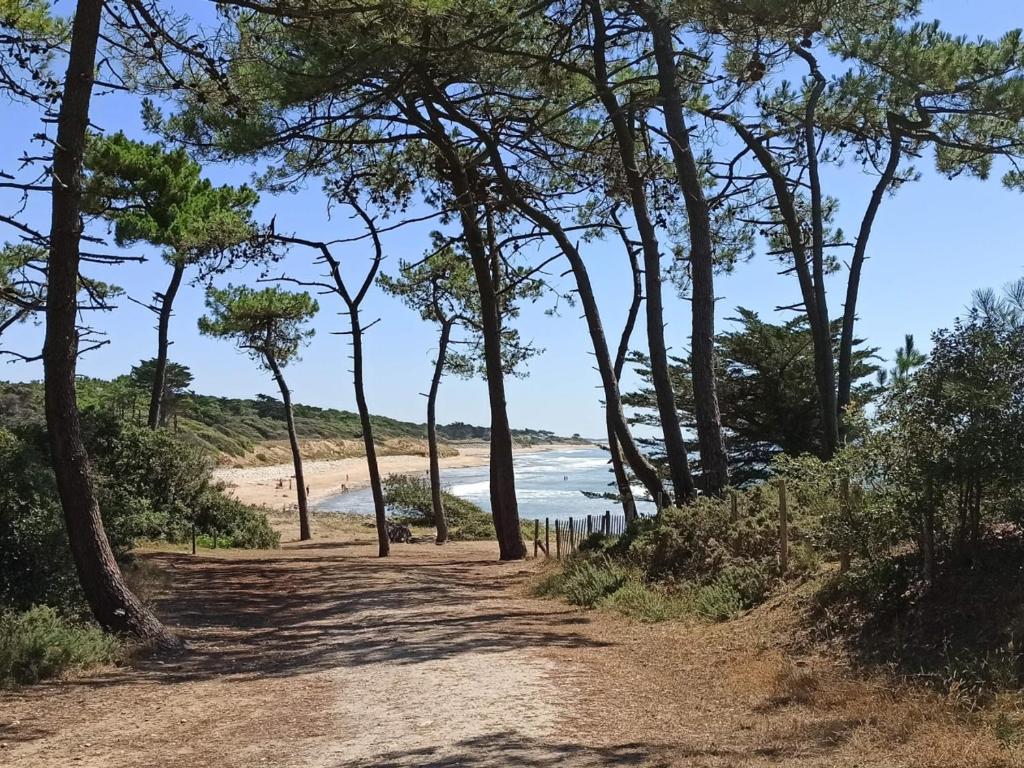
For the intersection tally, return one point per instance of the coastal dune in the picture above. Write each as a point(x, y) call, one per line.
point(269, 485)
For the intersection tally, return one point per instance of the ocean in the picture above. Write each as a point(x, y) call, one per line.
point(548, 484)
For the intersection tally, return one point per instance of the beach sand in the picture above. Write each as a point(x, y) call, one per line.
point(259, 485)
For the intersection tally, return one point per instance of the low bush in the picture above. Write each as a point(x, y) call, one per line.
point(592, 581)
point(41, 643)
point(151, 485)
point(410, 502)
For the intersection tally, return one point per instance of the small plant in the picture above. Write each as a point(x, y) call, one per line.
point(40, 643)
point(645, 602)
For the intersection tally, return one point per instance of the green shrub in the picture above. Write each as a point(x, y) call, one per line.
point(594, 581)
point(40, 643)
point(715, 601)
point(694, 543)
point(646, 602)
point(151, 484)
point(410, 502)
point(236, 524)
point(733, 590)
point(35, 560)
point(586, 581)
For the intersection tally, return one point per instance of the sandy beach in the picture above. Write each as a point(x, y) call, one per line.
point(260, 485)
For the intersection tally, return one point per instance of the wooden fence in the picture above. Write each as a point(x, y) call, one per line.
point(563, 537)
point(559, 538)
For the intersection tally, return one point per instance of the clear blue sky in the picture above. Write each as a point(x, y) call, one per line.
point(933, 244)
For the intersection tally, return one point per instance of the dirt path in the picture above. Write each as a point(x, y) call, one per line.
point(326, 656)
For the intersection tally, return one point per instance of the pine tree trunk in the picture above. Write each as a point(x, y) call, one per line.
point(504, 505)
point(440, 522)
point(713, 459)
point(112, 602)
point(817, 308)
point(157, 414)
point(618, 465)
point(608, 371)
point(376, 490)
point(293, 440)
point(668, 415)
point(856, 267)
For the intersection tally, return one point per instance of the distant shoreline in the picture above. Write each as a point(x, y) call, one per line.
point(329, 477)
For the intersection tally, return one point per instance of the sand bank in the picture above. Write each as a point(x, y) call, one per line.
point(269, 485)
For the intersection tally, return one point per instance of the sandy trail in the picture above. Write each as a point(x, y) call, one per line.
point(324, 655)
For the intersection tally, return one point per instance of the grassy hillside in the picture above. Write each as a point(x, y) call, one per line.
point(234, 427)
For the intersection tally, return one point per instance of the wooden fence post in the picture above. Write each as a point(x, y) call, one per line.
point(193, 538)
point(558, 540)
point(572, 537)
point(547, 537)
point(783, 528)
point(590, 524)
point(536, 537)
point(607, 522)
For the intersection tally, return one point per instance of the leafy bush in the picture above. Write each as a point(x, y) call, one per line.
point(35, 564)
point(734, 589)
point(410, 500)
point(695, 543)
point(150, 485)
point(236, 524)
point(594, 581)
point(40, 643)
point(646, 602)
point(696, 559)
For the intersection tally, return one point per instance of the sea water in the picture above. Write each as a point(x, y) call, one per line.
point(549, 484)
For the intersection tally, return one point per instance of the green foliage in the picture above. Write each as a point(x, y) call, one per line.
point(601, 581)
point(40, 643)
point(735, 588)
point(766, 391)
point(694, 544)
point(950, 446)
point(409, 500)
point(151, 485)
point(234, 523)
point(158, 196)
point(36, 565)
point(269, 324)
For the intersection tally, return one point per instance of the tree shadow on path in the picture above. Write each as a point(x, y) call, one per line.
point(506, 749)
point(315, 611)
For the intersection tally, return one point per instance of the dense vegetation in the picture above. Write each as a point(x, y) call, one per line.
point(696, 135)
point(235, 427)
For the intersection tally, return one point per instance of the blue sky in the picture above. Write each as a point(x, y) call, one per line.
point(932, 245)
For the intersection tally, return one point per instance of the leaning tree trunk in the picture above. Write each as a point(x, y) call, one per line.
point(440, 522)
point(112, 602)
point(856, 266)
point(380, 514)
point(618, 463)
point(157, 414)
point(641, 467)
point(668, 414)
point(293, 440)
point(714, 461)
point(817, 308)
point(504, 505)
